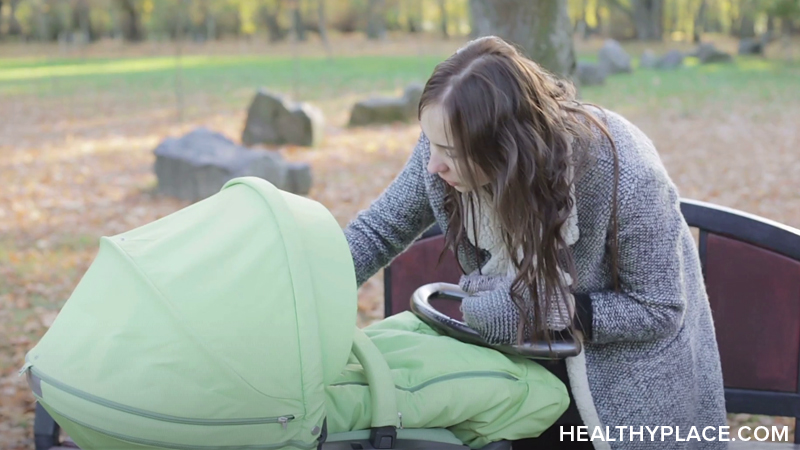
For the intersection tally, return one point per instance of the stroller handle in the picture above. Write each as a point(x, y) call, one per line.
point(562, 344)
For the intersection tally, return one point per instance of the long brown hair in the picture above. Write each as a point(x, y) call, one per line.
point(522, 127)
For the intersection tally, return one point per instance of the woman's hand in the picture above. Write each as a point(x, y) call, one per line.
point(490, 310)
point(475, 282)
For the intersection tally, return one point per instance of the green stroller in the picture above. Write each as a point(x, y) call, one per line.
point(231, 325)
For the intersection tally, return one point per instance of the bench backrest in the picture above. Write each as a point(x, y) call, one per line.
point(751, 267)
point(418, 266)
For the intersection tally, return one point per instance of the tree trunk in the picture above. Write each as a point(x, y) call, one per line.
point(414, 15)
point(618, 6)
point(211, 27)
point(582, 27)
point(180, 25)
point(648, 15)
point(131, 23)
point(270, 20)
point(676, 21)
point(323, 27)
point(747, 23)
point(115, 30)
point(787, 27)
point(82, 20)
point(297, 21)
point(42, 24)
point(618, 27)
point(443, 12)
point(598, 18)
point(714, 20)
point(376, 22)
point(210, 22)
point(541, 29)
point(700, 22)
point(14, 28)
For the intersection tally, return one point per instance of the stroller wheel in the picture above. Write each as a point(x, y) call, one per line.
point(45, 430)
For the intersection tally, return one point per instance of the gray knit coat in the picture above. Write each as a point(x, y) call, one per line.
point(651, 358)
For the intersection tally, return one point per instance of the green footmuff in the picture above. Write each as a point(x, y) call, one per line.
point(480, 394)
point(231, 324)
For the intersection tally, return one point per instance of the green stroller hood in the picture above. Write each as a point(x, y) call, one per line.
point(234, 312)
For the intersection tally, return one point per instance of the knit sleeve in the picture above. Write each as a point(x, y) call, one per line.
point(495, 316)
point(653, 240)
point(393, 221)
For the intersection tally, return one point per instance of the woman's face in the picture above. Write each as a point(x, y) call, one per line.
point(444, 161)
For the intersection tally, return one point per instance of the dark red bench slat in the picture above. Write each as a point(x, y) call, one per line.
point(417, 266)
point(755, 299)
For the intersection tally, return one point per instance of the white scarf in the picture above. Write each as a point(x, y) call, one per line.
point(489, 234)
point(500, 263)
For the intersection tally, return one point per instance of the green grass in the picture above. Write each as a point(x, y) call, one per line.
point(311, 78)
point(695, 85)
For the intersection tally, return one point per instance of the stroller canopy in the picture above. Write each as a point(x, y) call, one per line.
point(233, 312)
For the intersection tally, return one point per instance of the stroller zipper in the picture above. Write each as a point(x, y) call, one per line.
point(440, 379)
point(292, 443)
point(283, 420)
point(455, 376)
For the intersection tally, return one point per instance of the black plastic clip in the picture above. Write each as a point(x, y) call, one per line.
point(323, 435)
point(383, 437)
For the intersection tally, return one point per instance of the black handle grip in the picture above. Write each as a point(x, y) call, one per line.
point(562, 344)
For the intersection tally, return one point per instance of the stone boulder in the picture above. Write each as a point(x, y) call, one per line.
point(274, 120)
point(613, 58)
point(673, 59)
point(648, 60)
point(377, 110)
point(750, 46)
point(198, 164)
point(590, 74)
point(413, 94)
point(708, 54)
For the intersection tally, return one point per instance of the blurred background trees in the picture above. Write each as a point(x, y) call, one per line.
point(277, 20)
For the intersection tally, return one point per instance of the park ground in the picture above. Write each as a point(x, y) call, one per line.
point(78, 126)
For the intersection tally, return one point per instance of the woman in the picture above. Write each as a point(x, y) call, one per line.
point(509, 163)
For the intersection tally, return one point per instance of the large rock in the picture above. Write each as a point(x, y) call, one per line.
point(198, 164)
point(590, 74)
point(412, 96)
point(648, 60)
point(377, 110)
point(708, 54)
point(673, 59)
point(750, 46)
point(273, 120)
point(613, 58)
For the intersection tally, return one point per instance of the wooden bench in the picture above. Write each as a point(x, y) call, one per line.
point(751, 267)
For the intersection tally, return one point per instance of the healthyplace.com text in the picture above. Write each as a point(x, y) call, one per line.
point(675, 434)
